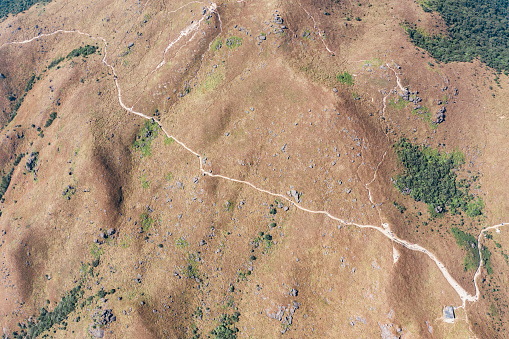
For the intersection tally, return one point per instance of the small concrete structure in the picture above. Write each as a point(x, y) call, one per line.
point(449, 314)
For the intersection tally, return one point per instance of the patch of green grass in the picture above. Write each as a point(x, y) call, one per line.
point(146, 221)
point(211, 82)
point(96, 251)
point(68, 192)
point(493, 312)
point(181, 243)
point(217, 44)
point(374, 62)
point(345, 78)
point(469, 243)
point(233, 42)
point(143, 141)
point(191, 269)
point(144, 182)
point(125, 242)
point(84, 268)
point(168, 176)
point(168, 141)
point(398, 104)
point(425, 114)
point(228, 205)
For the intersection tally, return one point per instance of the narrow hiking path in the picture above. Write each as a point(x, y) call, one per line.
point(384, 228)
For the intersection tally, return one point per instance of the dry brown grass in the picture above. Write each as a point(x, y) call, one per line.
point(288, 83)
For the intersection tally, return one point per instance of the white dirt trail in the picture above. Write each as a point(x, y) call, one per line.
point(384, 229)
point(317, 31)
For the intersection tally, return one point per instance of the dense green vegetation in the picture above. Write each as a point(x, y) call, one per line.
point(143, 141)
point(55, 62)
point(226, 328)
point(52, 117)
point(82, 51)
point(47, 319)
point(60, 313)
point(486, 256)
point(430, 176)
point(477, 28)
point(469, 243)
point(6, 180)
point(16, 6)
point(17, 104)
point(18, 159)
point(345, 78)
point(30, 83)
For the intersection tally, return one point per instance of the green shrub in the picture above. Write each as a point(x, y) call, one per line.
point(82, 51)
point(6, 180)
point(30, 83)
point(486, 256)
point(226, 328)
point(18, 159)
point(469, 243)
point(55, 62)
point(345, 78)
point(52, 117)
point(143, 141)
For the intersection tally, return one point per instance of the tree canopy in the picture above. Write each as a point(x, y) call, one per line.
point(476, 29)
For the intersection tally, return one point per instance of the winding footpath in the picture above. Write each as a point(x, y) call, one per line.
point(384, 228)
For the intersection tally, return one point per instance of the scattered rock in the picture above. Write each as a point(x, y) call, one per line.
point(32, 161)
point(294, 292)
point(107, 317)
point(294, 194)
point(96, 332)
point(440, 116)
